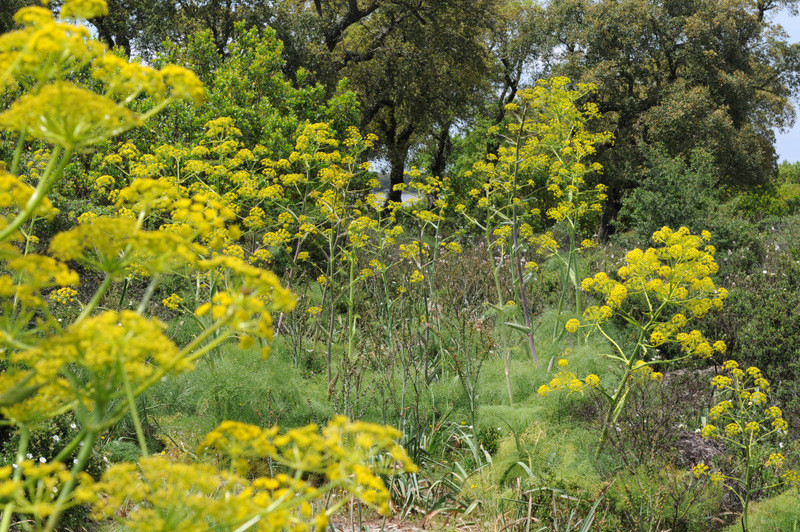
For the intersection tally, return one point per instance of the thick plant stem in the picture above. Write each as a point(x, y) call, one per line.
point(573, 269)
point(747, 482)
point(18, 150)
point(331, 320)
point(8, 510)
point(151, 288)
point(617, 402)
point(98, 295)
point(137, 424)
point(521, 282)
point(564, 278)
point(66, 490)
point(516, 247)
point(621, 393)
point(525, 307)
point(500, 325)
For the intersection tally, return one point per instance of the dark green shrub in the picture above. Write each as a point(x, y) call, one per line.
point(761, 319)
point(240, 386)
point(738, 242)
point(674, 192)
point(489, 439)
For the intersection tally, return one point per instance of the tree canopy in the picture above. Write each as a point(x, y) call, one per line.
point(673, 76)
point(716, 75)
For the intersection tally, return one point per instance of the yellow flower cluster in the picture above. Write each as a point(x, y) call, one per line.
point(360, 230)
point(349, 454)
point(245, 310)
point(566, 379)
point(643, 372)
point(748, 390)
point(173, 301)
point(209, 217)
point(749, 429)
point(45, 52)
point(64, 296)
point(556, 144)
point(118, 245)
point(109, 347)
point(14, 194)
point(35, 491)
point(33, 274)
point(674, 280)
point(207, 499)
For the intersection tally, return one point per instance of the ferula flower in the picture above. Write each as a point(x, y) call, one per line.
point(709, 431)
point(592, 380)
point(775, 459)
point(700, 469)
point(657, 338)
point(173, 302)
point(84, 118)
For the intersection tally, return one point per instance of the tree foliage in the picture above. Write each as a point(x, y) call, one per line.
point(717, 75)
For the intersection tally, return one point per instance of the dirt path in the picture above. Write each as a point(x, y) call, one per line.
point(374, 525)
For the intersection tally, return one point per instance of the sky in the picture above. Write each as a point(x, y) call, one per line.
point(788, 144)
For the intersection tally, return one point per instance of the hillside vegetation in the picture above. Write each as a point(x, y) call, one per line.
point(581, 315)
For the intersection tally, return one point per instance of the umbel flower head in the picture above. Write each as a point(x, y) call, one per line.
point(349, 454)
point(744, 411)
point(567, 380)
point(750, 431)
point(108, 348)
point(42, 55)
point(675, 278)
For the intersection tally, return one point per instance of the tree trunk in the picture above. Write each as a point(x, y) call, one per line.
point(397, 146)
point(608, 218)
point(397, 159)
point(443, 149)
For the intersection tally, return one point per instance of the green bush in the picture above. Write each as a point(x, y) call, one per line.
point(739, 242)
point(761, 319)
point(674, 192)
point(658, 496)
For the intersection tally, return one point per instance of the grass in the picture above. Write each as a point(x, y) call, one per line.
point(776, 514)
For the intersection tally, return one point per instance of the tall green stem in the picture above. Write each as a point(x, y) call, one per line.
point(520, 278)
point(501, 325)
point(562, 295)
point(66, 490)
point(22, 447)
point(95, 301)
point(618, 399)
point(137, 424)
point(18, 150)
point(573, 267)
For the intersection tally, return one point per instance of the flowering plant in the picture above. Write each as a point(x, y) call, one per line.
point(747, 425)
point(546, 145)
point(658, 293)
